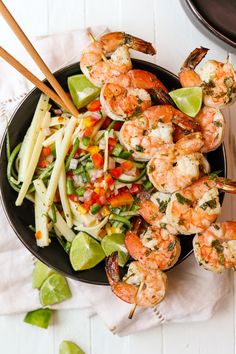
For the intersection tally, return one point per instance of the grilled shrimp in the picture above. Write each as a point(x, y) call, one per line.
point(154, 283)
point(154, 249)
point(146, 134)
point(97, 70)
point(217, 79)
point(152, 207)
point(177, 166)
point(126, 95)
point(212, 125)
point(215, 248)
point(196, 207)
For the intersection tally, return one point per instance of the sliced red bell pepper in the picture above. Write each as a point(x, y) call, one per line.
point(135, 188)
point(123, 198)
point(117, 172)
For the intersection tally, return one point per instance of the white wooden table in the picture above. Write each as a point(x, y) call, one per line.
point(164, 23)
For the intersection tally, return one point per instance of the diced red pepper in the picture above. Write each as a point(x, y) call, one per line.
point(117, 126)
point(106, 123)
point(111, 144)
point(135, 188)
point(109, 180)
point(43, 163)
point(97, 160)
point(46, 151)
point(69, 174)
point(94, 106)
point(123, 198)
point(73, 197)
point(117, 172)
point(127, 165)
point(86, 205)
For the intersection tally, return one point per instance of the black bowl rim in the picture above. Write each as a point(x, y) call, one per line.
point(95, 282)
point(208, 26)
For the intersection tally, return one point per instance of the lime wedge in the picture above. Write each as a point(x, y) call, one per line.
point(116, 242)
point(188, 100)
point(39, 317)
point(82, 90)
point(40, 273)
point(85, 252)
point(68, 347)
point(54, 289)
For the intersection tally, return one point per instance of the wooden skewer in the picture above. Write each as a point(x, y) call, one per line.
point(31, 77)
point(140, 288)
point(36, 57)
point(94, 40)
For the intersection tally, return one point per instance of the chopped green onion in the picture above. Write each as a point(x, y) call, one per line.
point(80, 191)
point(67, 246)
point(84, 157)
point(85, 141)
point(85, 176)
point(72, 153)
point(117, 150)
point(54, 215)
point(70, 187)
point(125, 154)
point(122, 219)
point(147, 184)
point(89, 165)
point(94, 209)
point(78, 171)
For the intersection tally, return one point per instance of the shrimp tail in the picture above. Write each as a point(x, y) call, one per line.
point(112, 268)
point(194, 58)
point(226, 184)
point(159, 96)
point(138, 44)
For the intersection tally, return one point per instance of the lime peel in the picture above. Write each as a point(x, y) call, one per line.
point(188, 99)
point(40, 273)
point(116, 242)
point(82, 90)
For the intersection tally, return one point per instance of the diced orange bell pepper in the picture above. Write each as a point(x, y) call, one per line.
point(127, 165)
point(94, 106)
point(38, 235)
point(97, 160)
point(124, 198)
point(93, 149)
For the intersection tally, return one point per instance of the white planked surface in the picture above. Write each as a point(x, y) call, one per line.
point(165, 24)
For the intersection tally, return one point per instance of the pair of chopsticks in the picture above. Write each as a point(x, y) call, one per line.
point(59, 96)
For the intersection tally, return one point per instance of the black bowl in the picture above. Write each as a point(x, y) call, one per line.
point(21, 217)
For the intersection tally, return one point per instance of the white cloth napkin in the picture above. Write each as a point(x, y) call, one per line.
point(192, 292)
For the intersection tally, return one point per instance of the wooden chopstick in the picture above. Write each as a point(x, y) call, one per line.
point(94, 40)
point(31, 77)
point(37, 59)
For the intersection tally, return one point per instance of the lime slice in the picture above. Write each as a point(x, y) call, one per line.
point(39, 317)
point(40, 273)
point(85, 252)
point(116, 242)
point(54, 289)
point(82, 90)
point(188, 100)
point(68, 347)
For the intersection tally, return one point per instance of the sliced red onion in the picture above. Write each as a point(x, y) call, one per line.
point(78, 181)
point(73, 164)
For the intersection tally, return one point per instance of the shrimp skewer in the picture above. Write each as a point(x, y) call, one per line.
point(215, 248)
point(154, 283)
point(98, 70)
point(195, 208)
point(127, 95)
point(177, 166)
point(146, 135)
point(217, 79)
point(154, 249)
